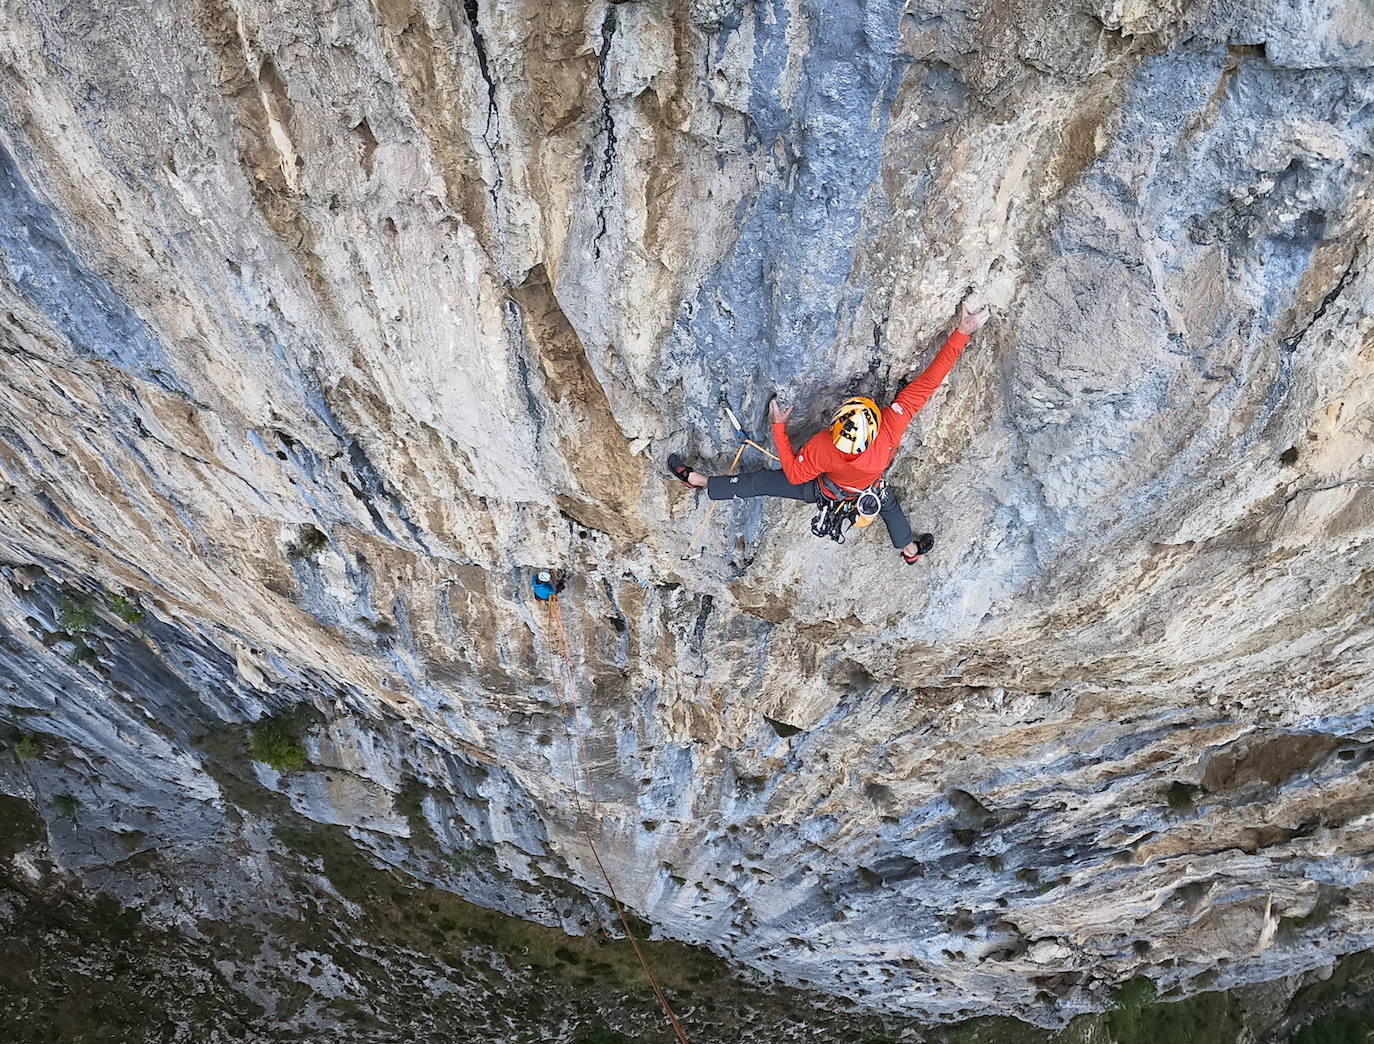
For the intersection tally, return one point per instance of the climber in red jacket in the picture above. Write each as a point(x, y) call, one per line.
point(841, 468)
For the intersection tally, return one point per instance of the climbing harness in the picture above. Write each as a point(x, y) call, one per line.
point(588, 820)
point(838, 508)
point(745, 441)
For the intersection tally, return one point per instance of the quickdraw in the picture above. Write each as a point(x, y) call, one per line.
point(838, 509)
point(833, 518)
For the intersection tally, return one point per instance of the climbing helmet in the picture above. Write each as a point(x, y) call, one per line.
point(855, 425)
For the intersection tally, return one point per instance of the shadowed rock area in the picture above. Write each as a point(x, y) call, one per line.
point(323, 325)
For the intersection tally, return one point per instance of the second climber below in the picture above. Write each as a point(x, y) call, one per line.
point(841, 468)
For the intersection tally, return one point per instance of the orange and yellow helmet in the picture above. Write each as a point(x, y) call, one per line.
point(855, 424)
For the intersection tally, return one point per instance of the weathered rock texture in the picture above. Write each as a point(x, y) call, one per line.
point(324, 322)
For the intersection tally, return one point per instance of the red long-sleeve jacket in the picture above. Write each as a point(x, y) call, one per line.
point(856, 471)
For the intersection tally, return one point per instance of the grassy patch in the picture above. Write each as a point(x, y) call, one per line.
point(125, 608)
point(20, 825)
point(1206, 1018)
point(28, 746)
point(276, 740)
point(76, 615)
point(110, 917)
point(1341, 1027)
point(403, 910)
point(348, 870)
point(66, 805)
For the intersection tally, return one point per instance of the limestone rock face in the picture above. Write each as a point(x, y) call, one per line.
point(324, 324)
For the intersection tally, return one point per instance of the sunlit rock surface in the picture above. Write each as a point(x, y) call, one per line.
point(323, 324)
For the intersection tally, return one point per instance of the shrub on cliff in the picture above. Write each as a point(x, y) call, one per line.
point(276, 741)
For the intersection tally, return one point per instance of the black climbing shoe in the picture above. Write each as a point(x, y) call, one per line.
point(924, 543)
point(680, 470)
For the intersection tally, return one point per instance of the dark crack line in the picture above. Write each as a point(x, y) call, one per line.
point(1292, 342)
point(491, 133)
point(607, 121)
point(470, 7)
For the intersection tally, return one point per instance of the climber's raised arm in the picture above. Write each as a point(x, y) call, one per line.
point(916, 394)
point(794, 465)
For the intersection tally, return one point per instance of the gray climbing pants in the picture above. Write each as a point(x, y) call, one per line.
point(775, 484)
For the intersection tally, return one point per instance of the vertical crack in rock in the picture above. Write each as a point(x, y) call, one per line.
point(491, 137)
point(703, 616)
point(1291, 342)
point(515, 336)
point(471, 9)
point(606, 126)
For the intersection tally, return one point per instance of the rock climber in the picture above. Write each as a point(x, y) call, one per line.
point(841, 468)
point(547, 583)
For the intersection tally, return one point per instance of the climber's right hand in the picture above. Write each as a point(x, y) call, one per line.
point(776, 413)
point(971, 322)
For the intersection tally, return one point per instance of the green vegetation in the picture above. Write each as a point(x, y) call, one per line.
point(1138, 1019)
point(109, 916)
point(410, 803)
point(66, 805)
point(81, 653)
point(276, 740)
point(457, 861)
point(272, 747)
point(1349, 974)
point(401, 909)
point(603, 1036)
point(1341, 1027)
point(20, 825)
point(125, 608)
point(348, 870)
point(75, 615)
point(29, 746)
point(996, 1029)
point(1135, 994)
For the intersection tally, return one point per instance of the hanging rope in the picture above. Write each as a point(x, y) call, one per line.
point(577, 749)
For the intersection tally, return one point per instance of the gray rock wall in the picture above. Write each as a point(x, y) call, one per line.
point(322, 327)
